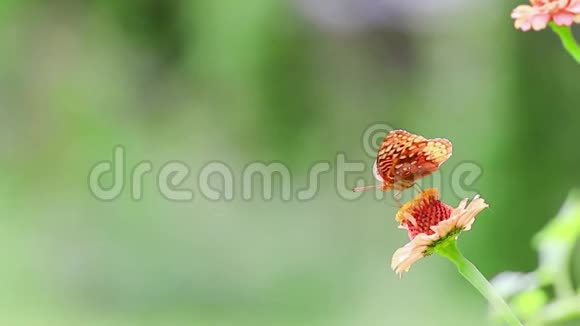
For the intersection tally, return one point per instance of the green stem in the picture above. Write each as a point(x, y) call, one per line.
point(450, 251)
point(563, 284)
point(568, 40)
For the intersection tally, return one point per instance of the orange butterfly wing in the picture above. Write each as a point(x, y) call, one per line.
point(405, 157)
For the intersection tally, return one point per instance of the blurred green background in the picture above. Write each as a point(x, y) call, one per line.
point(264, 80)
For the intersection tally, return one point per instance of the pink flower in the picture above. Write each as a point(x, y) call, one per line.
point(429, 221)
point(541, 12)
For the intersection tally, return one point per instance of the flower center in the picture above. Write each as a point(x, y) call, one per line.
point(423, 212)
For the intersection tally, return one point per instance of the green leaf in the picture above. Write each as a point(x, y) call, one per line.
point(557, 240)
point(509, 284)
point(527, 304)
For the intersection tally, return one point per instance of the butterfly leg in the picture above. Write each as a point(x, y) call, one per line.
point(418, 187)
point(397, 195)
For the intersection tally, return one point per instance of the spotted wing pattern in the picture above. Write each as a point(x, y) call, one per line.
point(404, 158)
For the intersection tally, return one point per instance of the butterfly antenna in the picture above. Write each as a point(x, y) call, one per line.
point(360, 189)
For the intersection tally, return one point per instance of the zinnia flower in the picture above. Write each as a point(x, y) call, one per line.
point(429, 222)
point(541, 12)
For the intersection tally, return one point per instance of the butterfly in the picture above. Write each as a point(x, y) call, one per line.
point(404, 158)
